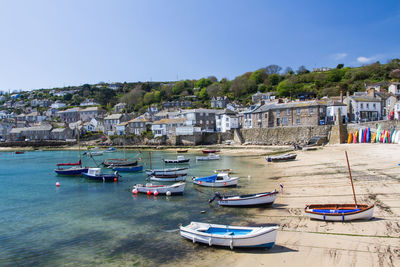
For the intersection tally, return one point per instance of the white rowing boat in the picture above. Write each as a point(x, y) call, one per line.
point(176, 188)
point(216, 180)
point(246, 200)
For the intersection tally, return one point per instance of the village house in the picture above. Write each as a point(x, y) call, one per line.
point(226, 120)
point(166, 126)
point(173, 105)
point(89, 113)
point(258, 97)
point(138, 125)
point(299, 113)
point(89, 102)
point(246, 116)
point(37, 133)
point(94, 125)
point(121, 128)
point(62, 134)
point(5, 128)
point(219, 101)
point(363, 108)
point(332, 111)
point(111, 121)
point(69, 115)
point(114, 86)
point(57, 105)
point(203, 118)
point(152, 109)
point(34, 117)
point(394, 88)
point(41, 103)
point(119, 107)
point(166, 115)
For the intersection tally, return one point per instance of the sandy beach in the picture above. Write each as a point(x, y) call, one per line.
point(321, 176)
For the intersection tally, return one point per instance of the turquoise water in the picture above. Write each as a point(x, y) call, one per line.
point(95, 223)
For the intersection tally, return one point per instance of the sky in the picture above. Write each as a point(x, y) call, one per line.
point(47, 43)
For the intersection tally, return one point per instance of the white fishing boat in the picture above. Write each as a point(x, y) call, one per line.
point(285, 157)
point(230, 236)
point(182, 171)
point(168, 177)
point(210, 156)
point(110, 150)
point(216, 180)
point(176, 188)
point(246, 200)
point(94, 152)
point(178, 160)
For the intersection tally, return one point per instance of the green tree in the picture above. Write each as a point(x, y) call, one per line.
point(148, 98)
point(203, 94)
point(202, 83)
point(274, 79)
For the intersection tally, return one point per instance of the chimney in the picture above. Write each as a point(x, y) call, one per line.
point(341, 96)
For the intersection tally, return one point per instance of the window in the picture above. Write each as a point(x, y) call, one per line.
point(259, 116)
point(321, 110)
point(361, 105)
point(367, 105)
point(205, 114)
point(288, 112)
point(298, 111)
point(278, 112)
point(266, 115)
point(284, 121)
point(374, 106)
point(227, 119)
point(388, 102)
point(206, 122)
point(227, 125)
point(298, 121)
point(201, 121)
point(311, 110)
point(201, 113)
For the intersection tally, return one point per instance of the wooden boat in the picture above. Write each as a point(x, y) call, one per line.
point(181, 151)
point(208, 151)
point(96, 174)
point(209, 157)
point(119, 162)
point(245, 200)
point(110, 150)
point(224, 170)
point(19, 152)
point(216, 180)
point(341, 212)
point(168, 177)
point(93, 153)
point(167, 171)
point(127, 168)
point(285, 157)
point(178, 160)
point(173, 189)
point(230, 236)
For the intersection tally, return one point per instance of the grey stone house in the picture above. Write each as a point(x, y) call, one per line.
point(69, 115)
point(38, 133)
point(219, 101)
point(89, 113)
point(61, 133)
point(203, 118)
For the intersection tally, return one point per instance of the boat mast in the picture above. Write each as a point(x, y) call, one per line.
point(79, 144)
point(351, 179)
point(150, 159)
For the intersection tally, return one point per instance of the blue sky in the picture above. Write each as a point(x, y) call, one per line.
point(45, 44)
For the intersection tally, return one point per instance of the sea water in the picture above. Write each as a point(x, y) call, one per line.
point(94, 223)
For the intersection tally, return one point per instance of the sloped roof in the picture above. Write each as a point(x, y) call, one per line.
point(113, 117)
point(170, 121)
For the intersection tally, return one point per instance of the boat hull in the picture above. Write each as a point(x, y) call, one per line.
point(179, 171)
point(168, 179)
point(223, 183)
point(175, 161)
point(286, 157)
point(174, 189)
point(71, 171)
point(128, 169)
point(324, 213)
point(101, 178)
point(200, 158)
point(250, 200)
point(118, 163)
point(257, 237)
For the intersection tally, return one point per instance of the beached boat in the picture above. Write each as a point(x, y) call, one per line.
point(224, 170)
point(110, 150)
point(230, 236)
point(167, 171)
point(209, 157)
point(127, 168)
point(208, 151)
point(181, 151)
point(119, 162)
point(173, 189)
point(285, 157)
point(96, 174)
point(216, 180)
point(245, 200)
point(341, 212)
point(168, 177)
point(178, 160)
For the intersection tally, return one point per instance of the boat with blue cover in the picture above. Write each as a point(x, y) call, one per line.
point(216, 180)
point(128, 168)
point(230, 236)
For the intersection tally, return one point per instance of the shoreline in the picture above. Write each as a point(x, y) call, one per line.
point(321, 176)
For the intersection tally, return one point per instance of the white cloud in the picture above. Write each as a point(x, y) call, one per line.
point(365, 59)
point(339, 56)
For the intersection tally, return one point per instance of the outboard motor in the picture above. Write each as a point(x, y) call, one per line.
point(217, 195)
point(269, 159)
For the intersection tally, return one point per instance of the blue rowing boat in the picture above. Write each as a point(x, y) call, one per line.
point(128, 169)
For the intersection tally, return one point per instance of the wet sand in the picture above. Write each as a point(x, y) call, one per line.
point(321, 176)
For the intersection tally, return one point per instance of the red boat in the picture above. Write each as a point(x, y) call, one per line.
point(208, 151)
point(19, 152)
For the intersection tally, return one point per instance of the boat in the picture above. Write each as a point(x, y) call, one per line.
point(127, 168)
point(245, 200)
point(167, 171)
point(216, 180)
point(224, 170)
point(284, 157)
point(230, 236)
point(173, 189)
point(110, 150)
point(181, 151)
point(19, 152)
point(77, 168)
point(178, 160)
point(341, 212)
point(96, 174)
point(309, 148)
point(119, 162)
point(211, 156)
point(168, 177)
point(93, 153)
point(208, 151)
